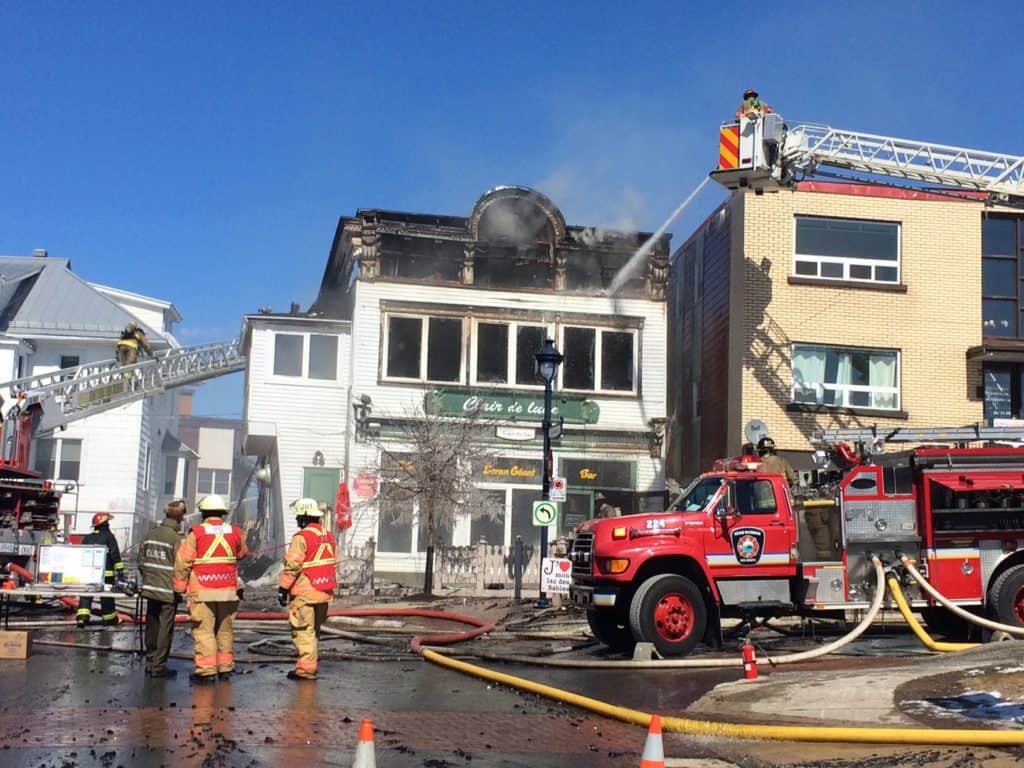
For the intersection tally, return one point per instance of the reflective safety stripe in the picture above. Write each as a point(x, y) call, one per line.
point(206, 661)
point(127, 343)
point(305, 666)
point(218, 541)
point(118, 566)
point(83, 612)
point(150, 588)
point(108, 573)
point(155, 567)
point(109, 616)
point(225, 658)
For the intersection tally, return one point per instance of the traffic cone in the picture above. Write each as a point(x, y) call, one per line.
point(749, 662)
point(364, 750)
point(654, 751)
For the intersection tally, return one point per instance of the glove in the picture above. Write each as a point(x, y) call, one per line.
point(282, 596)
point(240, 593)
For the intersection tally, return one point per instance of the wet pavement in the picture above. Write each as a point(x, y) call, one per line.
point(67, 707)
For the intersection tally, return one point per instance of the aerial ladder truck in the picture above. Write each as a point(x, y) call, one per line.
point(739, 543)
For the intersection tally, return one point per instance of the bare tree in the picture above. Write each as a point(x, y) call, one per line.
point(429, 465)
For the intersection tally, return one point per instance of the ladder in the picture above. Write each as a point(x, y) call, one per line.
point(74, 393)
point(807, 146)
point(874, 436)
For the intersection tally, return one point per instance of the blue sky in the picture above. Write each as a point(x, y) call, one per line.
point(203, 152)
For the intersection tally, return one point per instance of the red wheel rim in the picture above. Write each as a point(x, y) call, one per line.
point(673, 617)
point(1018, 605)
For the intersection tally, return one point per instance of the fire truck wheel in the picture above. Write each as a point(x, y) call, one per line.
point(1006, 598)
point(612, 629)
point(669, 611)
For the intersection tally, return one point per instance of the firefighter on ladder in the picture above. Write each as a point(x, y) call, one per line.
point(308, 580)
point(206, 571)
point(113, 568)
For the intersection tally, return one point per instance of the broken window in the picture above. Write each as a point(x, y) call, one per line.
point(617, 361)
point(529, 340)
point(505, 353)
point(444, 349)
point(323, 357)
point(599, 359)
point(287, 354)
point(441, 337)
point(404, 339)
point(578, 367)
point(492, 353)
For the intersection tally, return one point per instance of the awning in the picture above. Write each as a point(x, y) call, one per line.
point(987, 482)
point(998, 351)
point(260, 438)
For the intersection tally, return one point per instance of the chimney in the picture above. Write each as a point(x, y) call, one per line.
point(39, 253)
point(295, 308)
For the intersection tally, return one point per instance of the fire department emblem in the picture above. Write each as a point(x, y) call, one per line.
point(748, 544)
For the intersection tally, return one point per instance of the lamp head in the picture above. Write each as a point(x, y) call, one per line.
point(548, 359)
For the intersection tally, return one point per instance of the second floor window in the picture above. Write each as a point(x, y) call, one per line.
point(847, 249)
point(291, 359)
point(599, 359)
point(504, 353)
point(1002, 281)
point(213, 481)
point(423, 348)
point(846, 377)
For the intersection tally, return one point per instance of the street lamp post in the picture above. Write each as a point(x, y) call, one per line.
point(548, 359)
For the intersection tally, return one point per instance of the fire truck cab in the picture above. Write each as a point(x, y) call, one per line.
point(739, 543)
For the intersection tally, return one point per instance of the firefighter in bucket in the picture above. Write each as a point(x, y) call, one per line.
point(308, 581)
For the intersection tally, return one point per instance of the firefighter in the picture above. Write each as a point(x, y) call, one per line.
point(132, 338)
point(604, 508)
point(114, 569)
point(770, 462)
point(156, 564)
point(308, 580)
point(206, 571)
point(751, 104)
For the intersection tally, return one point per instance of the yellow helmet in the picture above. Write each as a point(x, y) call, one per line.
point(212, 503)
point(307, 507)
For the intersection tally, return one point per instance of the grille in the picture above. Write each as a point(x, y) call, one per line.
point(582, 560)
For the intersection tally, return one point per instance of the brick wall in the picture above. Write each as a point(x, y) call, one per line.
point(932, 324)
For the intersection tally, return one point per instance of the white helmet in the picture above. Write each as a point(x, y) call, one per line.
point(307, 507)
point(212, 503)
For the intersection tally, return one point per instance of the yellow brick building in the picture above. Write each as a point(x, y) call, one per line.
point(841, 305)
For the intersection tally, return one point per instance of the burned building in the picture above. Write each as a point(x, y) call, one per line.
point(455, 307)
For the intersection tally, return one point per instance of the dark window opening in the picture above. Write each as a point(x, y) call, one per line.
point(492, 353)
point(522, 266)
point(847, 249)
point(529, 340)
point(578, 366)
point(617, 361)
point(444, 349)
point(404, 337)
point(1003, 387)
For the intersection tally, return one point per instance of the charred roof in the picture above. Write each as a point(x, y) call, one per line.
point(514, 238)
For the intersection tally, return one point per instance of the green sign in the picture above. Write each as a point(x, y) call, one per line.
point(510, 406)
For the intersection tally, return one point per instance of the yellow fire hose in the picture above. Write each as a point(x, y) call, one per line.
point(689, 726)
point(915, 625)
point(954, 608)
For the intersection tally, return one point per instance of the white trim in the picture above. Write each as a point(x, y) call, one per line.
point(847, 261)
point(599, 332)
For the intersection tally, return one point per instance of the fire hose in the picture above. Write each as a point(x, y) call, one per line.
point(869, 617)
point(947, 603)
point(915, 625)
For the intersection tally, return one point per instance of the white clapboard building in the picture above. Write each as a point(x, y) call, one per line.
point(413, 304)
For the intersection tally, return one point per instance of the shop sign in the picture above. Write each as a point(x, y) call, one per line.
point(518, 471)
point(587, 473)
point(511, 406)
point(365, 484)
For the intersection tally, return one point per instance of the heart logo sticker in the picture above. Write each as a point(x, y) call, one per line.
point(565, 565)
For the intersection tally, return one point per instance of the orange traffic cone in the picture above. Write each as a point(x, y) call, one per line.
point(364, 750)
point(654, 752)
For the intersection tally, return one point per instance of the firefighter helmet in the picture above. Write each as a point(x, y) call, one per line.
point(749, 92)
point(307, 507)
point(132, 327)
point(212, 503)
point(101, 518)
point(765, 445)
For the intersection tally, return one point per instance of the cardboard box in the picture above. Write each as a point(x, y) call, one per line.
point(15, 644)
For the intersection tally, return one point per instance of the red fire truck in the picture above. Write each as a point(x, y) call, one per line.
point(739, 543)
point(29, 505)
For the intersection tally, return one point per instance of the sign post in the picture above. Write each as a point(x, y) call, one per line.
point(557, 492)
